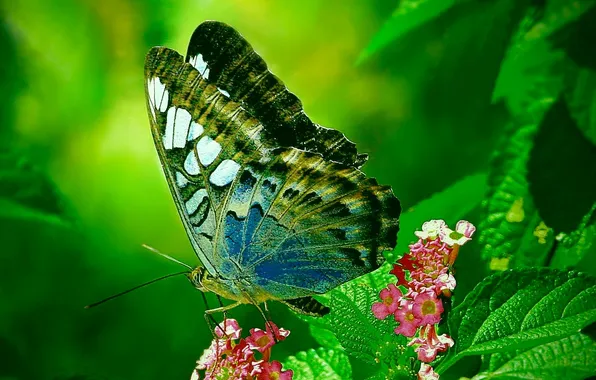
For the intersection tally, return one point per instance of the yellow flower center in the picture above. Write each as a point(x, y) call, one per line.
point(429, 307)
point(263, 341)
point(388, 301)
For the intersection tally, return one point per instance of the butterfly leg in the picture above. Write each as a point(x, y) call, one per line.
point(222, 309)
point(267, 319)
point(225, 314)
point(211, 322)
point(267, 311)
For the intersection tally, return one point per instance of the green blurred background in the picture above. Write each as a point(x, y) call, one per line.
point(78, 152)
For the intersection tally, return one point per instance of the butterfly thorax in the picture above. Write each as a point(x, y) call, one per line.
point(202, 280)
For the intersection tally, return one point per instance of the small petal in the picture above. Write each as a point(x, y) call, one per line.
point(445, 340)
point(426, 353)
point(380, 310)
point(273, 330)
point(232, 329)
point(211, 354)
point(427, 372)
point(273, 370)
point(398, 271)
point(465, 228)
point(430, 343)
point(446, 281)
point(462, 234)
point(430, 229)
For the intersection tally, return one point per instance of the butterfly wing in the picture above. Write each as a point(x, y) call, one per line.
point(231, 63)
point(270, 200)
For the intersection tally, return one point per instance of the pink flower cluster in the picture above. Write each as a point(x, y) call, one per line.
point(230, 357)
point(423, 278)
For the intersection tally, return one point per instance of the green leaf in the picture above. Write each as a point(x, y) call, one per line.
point(531, 72)
point(562, 185)
point(518, 310)
point(581, 98)
point(27, 194)
point(16, 211)
point(569, 358)
point(573, 247)
point(558, 13)
point(358, 331)
point(361, 334)
point(531, 75)
point(409, 15)
point(353, 323)
point(319, 364)
point(322, 335)
point(512, 228)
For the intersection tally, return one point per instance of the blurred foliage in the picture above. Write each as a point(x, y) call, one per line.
point(476, 109)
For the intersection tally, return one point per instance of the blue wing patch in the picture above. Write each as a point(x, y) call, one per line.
point(305, 225)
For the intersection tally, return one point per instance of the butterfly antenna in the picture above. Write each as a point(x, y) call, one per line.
point(166, 256)
point(135, 288)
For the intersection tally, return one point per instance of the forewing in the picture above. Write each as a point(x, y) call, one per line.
point(231, 63)
point(299, 225)
point(202, 139)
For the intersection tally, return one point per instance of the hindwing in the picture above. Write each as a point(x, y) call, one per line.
point(299, 225)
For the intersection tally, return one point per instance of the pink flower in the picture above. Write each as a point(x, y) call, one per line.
point(426, 272)
point(391, 297)
point(279, 333)
point(407, 262)
point(398, 271)
point(446, 281)
point(232, 329)
point(260, 340)
point(431, 229)
point(428, 308)
point(430, 343)
point(229, 357)
point(465, 228)
point(463, 233)
point(272, 371)
point(427, 372)
point(211, 354)
point(263, 340)
point(408, 322)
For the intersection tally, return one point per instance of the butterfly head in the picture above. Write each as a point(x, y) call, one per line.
point(196, 278)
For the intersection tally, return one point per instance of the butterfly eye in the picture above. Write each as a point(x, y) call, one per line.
point(196, 277)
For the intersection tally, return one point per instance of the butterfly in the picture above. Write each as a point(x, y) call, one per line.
point(275, 206)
